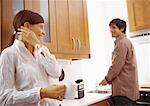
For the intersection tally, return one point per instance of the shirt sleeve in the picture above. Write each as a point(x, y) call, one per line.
point(118, 61)
point(9, 95)
point(47, 61)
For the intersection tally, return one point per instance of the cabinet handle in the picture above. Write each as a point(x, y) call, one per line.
point(73, 45)
point(79, 44)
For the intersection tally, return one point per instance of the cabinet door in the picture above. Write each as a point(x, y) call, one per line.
point(72, 28)
point(78, 25)
point(138, 13)
point(66, 41)
point(6, 22)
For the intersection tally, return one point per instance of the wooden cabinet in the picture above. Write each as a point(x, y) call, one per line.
point(6, 23)
point(66, 25)
point(138, 14)
point(78, 25)
point(101, 103)
point(68, 28)
point(66, 42)
point(72, 28)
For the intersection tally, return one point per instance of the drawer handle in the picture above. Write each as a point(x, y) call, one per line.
point(79, 43)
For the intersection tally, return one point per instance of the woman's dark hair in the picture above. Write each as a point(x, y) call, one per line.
point(119, 23)
point(26, 16)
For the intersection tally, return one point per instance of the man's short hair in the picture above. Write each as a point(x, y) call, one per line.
point(119, 23)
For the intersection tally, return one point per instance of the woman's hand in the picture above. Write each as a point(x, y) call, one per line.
point(53, 91)
point(28, 36)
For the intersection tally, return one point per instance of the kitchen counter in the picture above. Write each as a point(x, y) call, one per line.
point(89, 98)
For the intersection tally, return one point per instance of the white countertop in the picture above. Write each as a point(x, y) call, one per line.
point(89, 98)
point(145, 89)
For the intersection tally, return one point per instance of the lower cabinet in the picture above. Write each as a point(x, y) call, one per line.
point(100, 103)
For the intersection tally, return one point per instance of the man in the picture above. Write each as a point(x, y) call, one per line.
point(122, 74)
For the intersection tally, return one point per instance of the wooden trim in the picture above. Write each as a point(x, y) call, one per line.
point(134, 15)
point(101, 103)
point(0, 24)
point(146, 26)
point(7, 27)
point(28, 4)
point(72, 56)
point(131, 17)
point(86, 27)
point(36, 6)
point(65, 41)
point(52, 26)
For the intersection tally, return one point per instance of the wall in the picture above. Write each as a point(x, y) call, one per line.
point(100, 13)
point(100, 36)
point(73, 70)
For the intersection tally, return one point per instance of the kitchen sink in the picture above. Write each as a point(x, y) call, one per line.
point(99, 91)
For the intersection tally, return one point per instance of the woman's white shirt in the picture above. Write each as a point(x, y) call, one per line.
point(22, 75)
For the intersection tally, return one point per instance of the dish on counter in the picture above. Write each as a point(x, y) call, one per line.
point(99, 91)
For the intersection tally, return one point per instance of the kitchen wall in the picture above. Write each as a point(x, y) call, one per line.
point(100, 13)
point(101, 41)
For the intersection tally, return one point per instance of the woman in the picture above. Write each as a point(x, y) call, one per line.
point(25, 67)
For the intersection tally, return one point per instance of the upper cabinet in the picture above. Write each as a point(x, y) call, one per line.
point(65, 24)
point(138, 14)
point(72, 29)
point(66, 27)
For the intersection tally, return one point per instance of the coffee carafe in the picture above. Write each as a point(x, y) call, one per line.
point(80, 89)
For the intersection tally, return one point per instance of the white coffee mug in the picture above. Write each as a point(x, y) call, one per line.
point(70, 90)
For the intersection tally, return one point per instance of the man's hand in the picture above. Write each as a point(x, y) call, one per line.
point(53, 91)
point(103, 82)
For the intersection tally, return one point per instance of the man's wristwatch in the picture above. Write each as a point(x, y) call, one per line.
point(107, 80)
